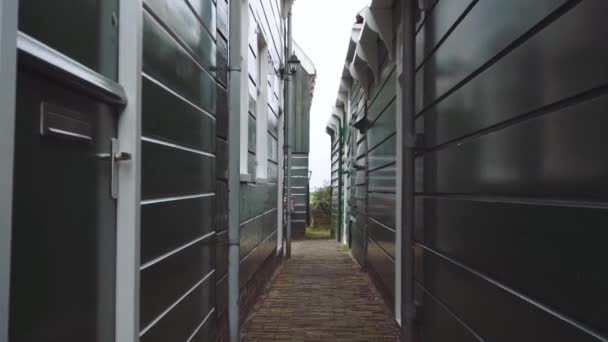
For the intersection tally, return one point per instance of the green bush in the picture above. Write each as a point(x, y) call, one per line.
point(320, 206)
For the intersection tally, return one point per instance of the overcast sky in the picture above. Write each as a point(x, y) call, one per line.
point(322, 29)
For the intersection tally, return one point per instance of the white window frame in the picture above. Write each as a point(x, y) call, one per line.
point(8, 77)
point(244, 103)
point(261, 146)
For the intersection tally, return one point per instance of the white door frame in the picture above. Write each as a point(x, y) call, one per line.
point(8, 78)
point(130, 46)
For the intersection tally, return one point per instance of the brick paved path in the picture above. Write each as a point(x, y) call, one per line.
point(320, 295)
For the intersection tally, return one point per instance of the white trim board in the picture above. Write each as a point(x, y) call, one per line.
point(8, 77)
point(130, 42)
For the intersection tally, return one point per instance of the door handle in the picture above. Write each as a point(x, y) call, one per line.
point(122, 156)
point(114, 157)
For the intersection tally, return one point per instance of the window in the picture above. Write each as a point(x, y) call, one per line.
point(261, 152)
point(244, 100)
point(254, 109)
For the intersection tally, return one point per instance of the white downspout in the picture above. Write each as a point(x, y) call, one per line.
point(238, 8)
point(288, 112)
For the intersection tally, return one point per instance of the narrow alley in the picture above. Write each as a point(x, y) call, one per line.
point(162, 163)
point(320, 294)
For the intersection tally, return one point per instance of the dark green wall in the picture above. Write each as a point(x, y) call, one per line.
point(183, 111)
point(185, 154)
point(259, 198)
point(510, 232)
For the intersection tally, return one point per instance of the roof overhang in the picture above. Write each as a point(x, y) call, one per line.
point(373, 29)
point(307, 65)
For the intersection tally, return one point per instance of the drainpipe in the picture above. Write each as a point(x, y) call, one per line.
point(237, 10)
point(343, 172)
point(408, 92)
point(340, 181)
point(287, 111)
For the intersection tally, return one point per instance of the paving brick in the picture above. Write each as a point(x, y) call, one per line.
point(320, 294)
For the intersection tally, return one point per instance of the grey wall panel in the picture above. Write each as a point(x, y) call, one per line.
point(381, 207)
point(273, 148)
point(383, 180)
point(179, 19)
point(251, 236)
point(269, 22)
point(384, 95)
point(181, 322)
point(357, 246)
point(256, 231)
point(383, 154)
point(273, 171)
point(302, 83)
point(166, 226)
point(556, 155)
point(222, 60)
point(222, 113)
point(95, 45)
point(256, 258)
point(221, 254)
point(514, 163)
point(221, 159)
point(273, 123)
point(252, 125)
point(440, 324)
point(257, 199)
point(376, 153)
point(188, 80)
point(444, 16)
point(524, 249)
point(222, 17)
point(189, 173)
point(164, 282)
point(299, 160)
point(568, 71)
point(206, 13)
point(383, 236)
point(167, 117)
point(383, 127)
point(208, 331)
point(297, 216)
point(251, 165)
point(468, 47)
point(383, 266)
point(300, 172)
point(491, 312)
point(221, 206)
point(222, 296)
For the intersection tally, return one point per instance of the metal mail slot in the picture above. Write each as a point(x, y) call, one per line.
point(64, 123)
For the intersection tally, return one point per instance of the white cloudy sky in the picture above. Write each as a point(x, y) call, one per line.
point(322, 29)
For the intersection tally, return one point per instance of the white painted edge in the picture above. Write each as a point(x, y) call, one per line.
point(130, 42)
point(244, 92)
point(8, 77)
